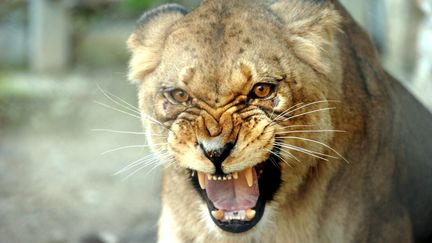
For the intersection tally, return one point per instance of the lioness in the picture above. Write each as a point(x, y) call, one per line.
point(276, 123)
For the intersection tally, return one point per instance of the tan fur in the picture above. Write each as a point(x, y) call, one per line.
point(216, 53)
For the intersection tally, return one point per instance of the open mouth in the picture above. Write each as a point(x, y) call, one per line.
point(236, 201)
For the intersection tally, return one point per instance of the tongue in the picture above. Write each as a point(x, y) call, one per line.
point(233, 195)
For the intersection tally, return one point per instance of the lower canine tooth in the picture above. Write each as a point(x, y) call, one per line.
point(201, 180)
point(218, 214)
point(250, 214)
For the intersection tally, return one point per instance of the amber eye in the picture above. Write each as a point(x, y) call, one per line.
point(262, 90)
point(178, 95)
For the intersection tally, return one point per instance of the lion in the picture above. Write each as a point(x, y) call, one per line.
point(275, 122)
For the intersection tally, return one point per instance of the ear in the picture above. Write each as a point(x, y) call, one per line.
point(148, 38)
point(310, 28)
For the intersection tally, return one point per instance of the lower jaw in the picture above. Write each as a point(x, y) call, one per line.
point(238, 225)
point(269, 182)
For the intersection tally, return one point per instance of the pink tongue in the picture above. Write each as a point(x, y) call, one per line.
point(233, 195)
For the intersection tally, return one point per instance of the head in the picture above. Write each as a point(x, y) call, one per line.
point(241, 91)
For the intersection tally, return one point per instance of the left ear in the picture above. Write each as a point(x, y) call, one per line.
point(310, 29)
point(147, 41)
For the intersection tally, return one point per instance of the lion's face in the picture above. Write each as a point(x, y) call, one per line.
point(239, 109)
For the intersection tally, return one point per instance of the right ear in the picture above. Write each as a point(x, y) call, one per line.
point(148, 38)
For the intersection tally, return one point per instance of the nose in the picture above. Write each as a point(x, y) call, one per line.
point(217, 155)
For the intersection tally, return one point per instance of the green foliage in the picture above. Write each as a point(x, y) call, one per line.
point(140, 5)
point(137, 6)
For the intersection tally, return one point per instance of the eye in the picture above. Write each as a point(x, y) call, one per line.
point(177, 96)
point(262, 90)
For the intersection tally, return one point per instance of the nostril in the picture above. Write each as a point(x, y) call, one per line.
point(217, 156)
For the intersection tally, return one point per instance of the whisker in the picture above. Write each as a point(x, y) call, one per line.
point(125, 132)
point(313, 103)
point(274, 162)
point(311, 151)
point(318, 142)
point(305, 105)
point(309, 131)
point(168, 160)
point(144, 160)
point(131, 146)
point(125, 104)
point(150, 118)
point(156, 164)
point(291, 126)
point(280, 157)
point(289, 154)
point(302, 150)
point(137, 170)
point(143, 115)
point(287, 110)
point(308, 112)
point(132, 164)
point(116, 109)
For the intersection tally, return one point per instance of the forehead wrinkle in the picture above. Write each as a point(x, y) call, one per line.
point(212, 44)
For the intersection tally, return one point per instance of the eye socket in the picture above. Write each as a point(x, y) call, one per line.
point(177, 96)
point(262, 90)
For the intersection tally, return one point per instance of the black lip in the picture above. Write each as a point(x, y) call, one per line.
point(238, 226)
point(268, 183)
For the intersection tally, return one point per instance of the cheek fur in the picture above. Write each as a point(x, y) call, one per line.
point(275, 102)
point(165, 106)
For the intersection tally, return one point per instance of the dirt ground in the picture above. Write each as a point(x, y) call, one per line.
point(55, 186)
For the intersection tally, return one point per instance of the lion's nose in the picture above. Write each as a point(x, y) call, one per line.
point(217, 155)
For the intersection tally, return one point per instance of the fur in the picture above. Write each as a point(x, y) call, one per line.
point(375, 186)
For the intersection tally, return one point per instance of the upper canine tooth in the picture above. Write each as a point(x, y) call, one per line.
point(201, 180)
point(249, 176)
point(250, 214)
point(235, 175)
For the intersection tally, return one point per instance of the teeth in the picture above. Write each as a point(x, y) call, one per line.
point(250, 214)
point(249, 176)
point(201, 180)
point(218, 214)
point(201, 176)
point(235, 215)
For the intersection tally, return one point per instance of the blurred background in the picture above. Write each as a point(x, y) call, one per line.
point(58, 57)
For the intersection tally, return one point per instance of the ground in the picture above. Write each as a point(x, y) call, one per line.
point(55, 186)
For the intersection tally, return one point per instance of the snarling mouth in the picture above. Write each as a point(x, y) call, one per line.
point(236, 201)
